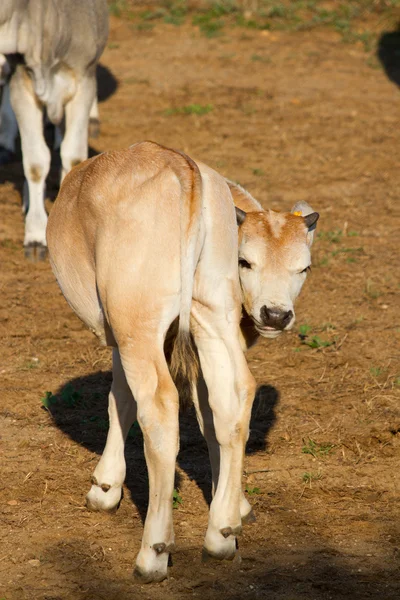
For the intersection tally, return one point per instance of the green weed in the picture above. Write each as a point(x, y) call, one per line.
point(69, 396)
point(252, 491)
point(317, 342)
point(309, 477)
point(335, 236)
point(304, 330)
point(371, 290)
point(190, 109)
point(376, 371)
point(260, 58)
point(316, 450)
point(117, 7)
point(48, 399)
point(176, 499)
point(258, 172)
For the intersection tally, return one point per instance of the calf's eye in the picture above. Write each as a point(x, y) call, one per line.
point(244, 264)
point(306, 269)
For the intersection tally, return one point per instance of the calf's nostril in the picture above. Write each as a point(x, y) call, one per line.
point(287, 317)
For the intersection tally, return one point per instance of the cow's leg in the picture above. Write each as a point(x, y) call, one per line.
point(231, 389)
point(109, 475)
point(8, 127)
point(206, 423)
point(74, 147)
point(157, 400)
point(36, 160)
point(94, 120)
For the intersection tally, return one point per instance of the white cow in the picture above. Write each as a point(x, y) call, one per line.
point(137, 239)
point(58, 44)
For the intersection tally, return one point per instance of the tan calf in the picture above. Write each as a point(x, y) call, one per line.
point(137, 238)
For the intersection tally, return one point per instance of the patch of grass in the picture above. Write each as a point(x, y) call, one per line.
point(260, 58)
point(314, 341)
point(335, 236)
point(69, 396)
point(317, 342)
point(143, 26)
point(177, 500)
point(258, 172)
point(371, 290)
point(324, 262)
point(316, 450)
point(304, 330)
point(117, 7)
point(309, 477)
point(377, 371)
point(31, 364)
point(9, 244)
point(48, 399)
point(252, 491)
point(347, 251)
point(190, 109)
point(112, 46)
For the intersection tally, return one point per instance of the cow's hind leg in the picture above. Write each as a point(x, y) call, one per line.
point(36, 161)
point(8, 127)
point(157, 400)
point(231, 389)
point(74, 147)
point(109, 475)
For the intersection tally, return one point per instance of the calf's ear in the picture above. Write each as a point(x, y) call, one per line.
point(240, 215)
point(302, 209)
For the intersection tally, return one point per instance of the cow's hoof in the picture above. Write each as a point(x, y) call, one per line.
point(103, 498)
point(35, 252)
point(6, 156)
point(249, 518)
point(94, 128)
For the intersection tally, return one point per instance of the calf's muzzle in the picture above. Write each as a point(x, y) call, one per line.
point(275, 317)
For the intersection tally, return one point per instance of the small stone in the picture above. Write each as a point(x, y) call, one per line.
point(34, 562)
point(12, 502)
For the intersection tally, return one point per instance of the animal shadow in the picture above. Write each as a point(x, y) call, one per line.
point(79, 409)
point(388, 53)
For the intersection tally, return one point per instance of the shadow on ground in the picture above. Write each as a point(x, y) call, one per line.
point(389, 54)
point(79, 409)
point(318, 574)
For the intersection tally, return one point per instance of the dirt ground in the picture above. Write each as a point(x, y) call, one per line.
point(311, 118)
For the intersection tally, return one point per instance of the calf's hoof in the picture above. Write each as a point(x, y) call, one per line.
point(142, 576)
point(249, 518)
point(152, 563)
point(103, 498)
point(35, 252)
point(222, 544)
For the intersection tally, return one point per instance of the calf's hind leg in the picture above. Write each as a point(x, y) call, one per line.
point(109, 475)
point(157, 400)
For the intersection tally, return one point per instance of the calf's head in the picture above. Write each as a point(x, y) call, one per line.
point(274, 257)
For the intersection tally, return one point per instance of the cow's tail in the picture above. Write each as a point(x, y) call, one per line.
point(184, 363)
